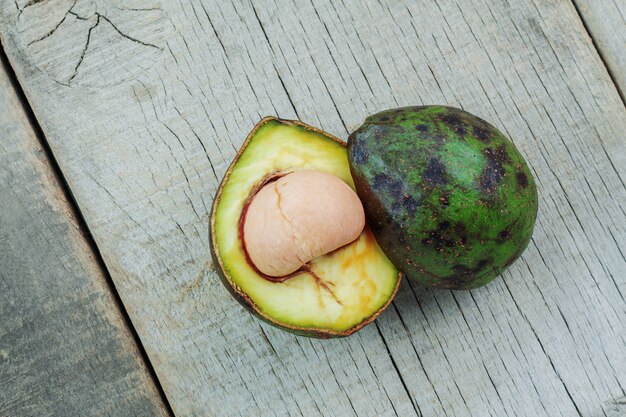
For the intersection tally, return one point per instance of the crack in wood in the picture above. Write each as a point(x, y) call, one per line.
point(99, 18)
point(82, 55)
point(56, 26)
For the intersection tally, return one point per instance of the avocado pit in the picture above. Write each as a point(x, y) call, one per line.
point(295, 217)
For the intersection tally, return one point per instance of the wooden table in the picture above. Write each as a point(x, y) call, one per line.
point(118, 119)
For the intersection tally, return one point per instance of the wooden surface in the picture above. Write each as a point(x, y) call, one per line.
point(606, 22)
point(145, 104)
point(65, 349)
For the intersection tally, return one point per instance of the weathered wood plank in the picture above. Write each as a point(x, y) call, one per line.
point(606, 22)
point(145, 105)
point(65, 349)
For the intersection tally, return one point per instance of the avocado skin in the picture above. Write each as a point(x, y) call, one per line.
point(449, 198)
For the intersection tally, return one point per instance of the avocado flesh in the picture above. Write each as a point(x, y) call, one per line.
point(346, 288)
point(449, 198)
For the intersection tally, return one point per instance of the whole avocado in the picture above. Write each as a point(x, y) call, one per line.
point(449, 198)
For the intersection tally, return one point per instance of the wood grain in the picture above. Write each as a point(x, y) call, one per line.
point(144, 105)
point(606, 22)
point(65, 349)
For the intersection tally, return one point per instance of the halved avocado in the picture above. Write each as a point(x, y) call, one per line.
point(335, 294)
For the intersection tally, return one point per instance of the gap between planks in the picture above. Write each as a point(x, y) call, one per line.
point(5, 63)
point(600, 52)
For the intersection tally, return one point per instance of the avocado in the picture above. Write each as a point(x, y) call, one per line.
point(449, 198)
point(332, 295)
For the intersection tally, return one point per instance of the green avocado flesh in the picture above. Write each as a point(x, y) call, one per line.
point(347, 288)
point(449, 198)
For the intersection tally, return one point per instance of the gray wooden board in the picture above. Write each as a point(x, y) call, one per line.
point(145, 104)
point(65, 349)
point(606, 21)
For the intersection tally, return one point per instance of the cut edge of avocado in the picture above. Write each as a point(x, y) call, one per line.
point(241, 296)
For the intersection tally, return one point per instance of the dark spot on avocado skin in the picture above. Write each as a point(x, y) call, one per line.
point(410, 204)
point(482, 134)
point(383, 182)
point(500, 153)
point(455, 122)
point(522, 179)
point(464, 274)
point(481, 264)
point(359, 155)
point(451, 119)
point(435, 172)
point(461, 232)
point(494, 170)
point(504, 235)
point(446, 236)
point(438, 241)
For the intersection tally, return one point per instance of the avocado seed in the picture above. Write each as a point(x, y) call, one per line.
point(298, 217)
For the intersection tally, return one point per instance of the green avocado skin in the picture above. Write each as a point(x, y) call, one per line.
point(449, 198)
